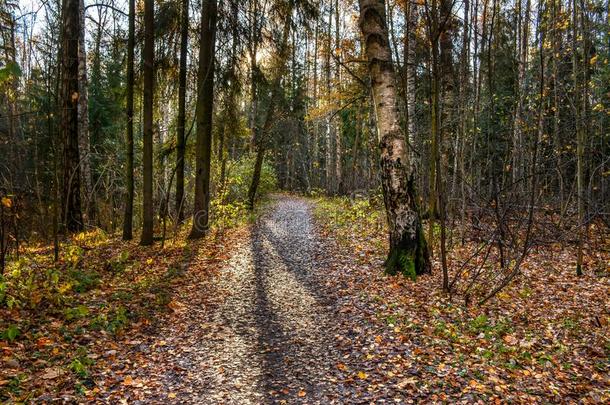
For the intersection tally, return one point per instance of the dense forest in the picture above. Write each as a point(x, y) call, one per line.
point(453, 154)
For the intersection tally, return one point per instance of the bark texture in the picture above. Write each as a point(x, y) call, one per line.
point(83, 120)
point(128, 218)
point(205, 104)
point(412, 17)
point(408, 249)
point(147, 160)
point(180, 141)
point(72, 214)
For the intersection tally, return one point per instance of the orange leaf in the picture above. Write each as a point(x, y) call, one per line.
point(7, 202)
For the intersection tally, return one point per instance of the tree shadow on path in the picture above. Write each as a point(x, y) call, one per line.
point(293, 316)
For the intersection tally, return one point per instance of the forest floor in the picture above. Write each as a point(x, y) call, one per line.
point(295, 308)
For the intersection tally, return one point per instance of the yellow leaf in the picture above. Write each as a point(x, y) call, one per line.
point(362, 375)
point(7, 202)
point(171, 395)
point(302, 393)
point(128, 381)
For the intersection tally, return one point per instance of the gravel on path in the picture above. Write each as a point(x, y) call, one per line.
point(263, 330)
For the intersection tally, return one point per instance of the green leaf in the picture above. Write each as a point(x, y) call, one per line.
point(11, 333)
point(11, 69)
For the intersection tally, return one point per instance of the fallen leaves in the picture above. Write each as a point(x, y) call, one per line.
point(538, 341)
point(52, 373)
point(81, 343)
point(543, 340)
point(405, 382)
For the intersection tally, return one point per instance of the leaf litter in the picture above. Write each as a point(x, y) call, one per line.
point(297, 310)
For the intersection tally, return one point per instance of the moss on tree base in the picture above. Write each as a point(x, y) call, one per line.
point(409, 257)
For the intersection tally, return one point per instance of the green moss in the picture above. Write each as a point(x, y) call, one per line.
point(409, 259)
point(401, 261)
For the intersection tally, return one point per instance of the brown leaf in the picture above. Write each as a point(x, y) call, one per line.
point(51, 373)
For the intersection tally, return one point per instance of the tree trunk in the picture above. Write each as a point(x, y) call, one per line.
point(231, 122)
point(338, 120)
point(262, 134)
point(128, 219)
point(522, 51)
point(147, 158)
point(330, 133)
point(180, 141)
point(253, 32)
point(83, 120)
point(205, 104)
point(579, 101)
point(445, 124)
point(410, 73)
point(315, 140)
point(408, 249)
point(72, 214)
point(256, 175)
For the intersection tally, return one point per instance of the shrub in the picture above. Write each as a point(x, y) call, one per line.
point(239, 176)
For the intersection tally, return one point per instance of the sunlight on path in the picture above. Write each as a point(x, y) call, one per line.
point(272, 342)
point(259, 331)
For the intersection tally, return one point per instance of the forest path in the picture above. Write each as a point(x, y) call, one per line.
point(261, 331)
point(272, 339)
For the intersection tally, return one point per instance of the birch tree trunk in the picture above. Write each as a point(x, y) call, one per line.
point(412, 18)
point(408, 252)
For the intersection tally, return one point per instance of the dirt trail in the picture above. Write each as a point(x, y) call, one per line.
point(268, 335)
point(273, 321)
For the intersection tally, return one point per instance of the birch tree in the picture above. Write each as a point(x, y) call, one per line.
point(408, 252)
